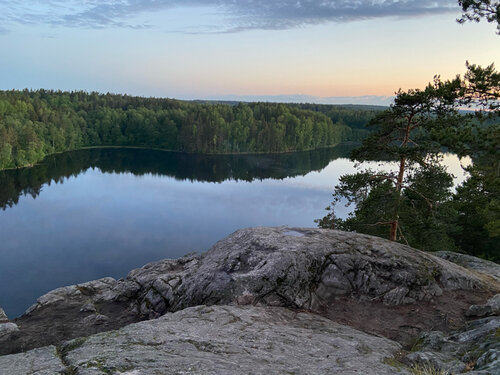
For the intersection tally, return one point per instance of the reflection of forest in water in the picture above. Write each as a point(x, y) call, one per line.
point(193, 167)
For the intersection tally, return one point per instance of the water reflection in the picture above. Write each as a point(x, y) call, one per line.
point(194, 168)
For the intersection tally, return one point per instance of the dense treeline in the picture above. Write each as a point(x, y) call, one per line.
point(354, 116)
point(34, 124)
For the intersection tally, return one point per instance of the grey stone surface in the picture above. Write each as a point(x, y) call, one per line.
point(472, 263)
point(477, 344)
point(494, 302)
point(3, 316)
point(352, 278)
point(436, 360)
point(491, 307)
point(479, 311)
point(7, 330)
point(256, 340)
point(41, 361)
point(490, 361)
point(222, 340)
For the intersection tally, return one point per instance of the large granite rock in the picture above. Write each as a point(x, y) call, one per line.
point(216, 340)
point(366, 282)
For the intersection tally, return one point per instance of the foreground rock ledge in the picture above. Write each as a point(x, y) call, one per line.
point(216, 340)
point(365, 282)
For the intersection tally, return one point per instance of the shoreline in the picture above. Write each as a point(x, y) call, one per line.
point(176, 151)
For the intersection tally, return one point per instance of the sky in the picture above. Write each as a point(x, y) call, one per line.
point(325, 51)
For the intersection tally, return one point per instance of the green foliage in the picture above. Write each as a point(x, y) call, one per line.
point(34, 124)
point(482, 87)
point(416, 200)
point(475, 10)
point(403, 204)
point(424, 218)
point(354, 116)
point(477, 200)
point(479, 90)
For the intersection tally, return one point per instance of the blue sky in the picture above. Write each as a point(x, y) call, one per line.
point(340, 51)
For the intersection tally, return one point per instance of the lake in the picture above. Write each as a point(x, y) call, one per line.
point(88, 214)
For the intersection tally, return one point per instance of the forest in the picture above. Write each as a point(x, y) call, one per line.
point(34, 124)
point(354, 116)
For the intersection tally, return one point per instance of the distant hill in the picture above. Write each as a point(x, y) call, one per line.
point(370, 100)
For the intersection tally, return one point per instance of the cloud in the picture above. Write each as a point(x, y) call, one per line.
point(237, 15)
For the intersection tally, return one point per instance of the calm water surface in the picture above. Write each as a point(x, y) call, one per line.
point(88, 214)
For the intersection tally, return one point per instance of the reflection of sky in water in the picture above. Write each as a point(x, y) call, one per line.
point(327, 178)
point(97, 225)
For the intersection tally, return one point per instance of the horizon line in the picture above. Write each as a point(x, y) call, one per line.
point(366, 100)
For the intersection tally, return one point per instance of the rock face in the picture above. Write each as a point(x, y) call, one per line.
point(472, 263)
point(491, 307)
point(7, 329)
point(41, 361)
point(3, 316)
point(366, 282)
point(216, 340)
point(476, 347)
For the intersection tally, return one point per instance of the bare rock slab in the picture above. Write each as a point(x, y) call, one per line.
point(41, 361)
point(231, 340)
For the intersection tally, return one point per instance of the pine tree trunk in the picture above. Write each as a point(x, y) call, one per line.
point(399, 186)
point(394, 230)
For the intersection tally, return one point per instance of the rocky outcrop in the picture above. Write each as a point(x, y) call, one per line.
point(472, 263)
point(491, 307)
point(368, 283)
point(473, 350)
point(40, 361)
point(216, 340)
point(7, 329)
point(3, 316)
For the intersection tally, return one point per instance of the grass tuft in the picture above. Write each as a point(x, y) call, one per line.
point(427, 369)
